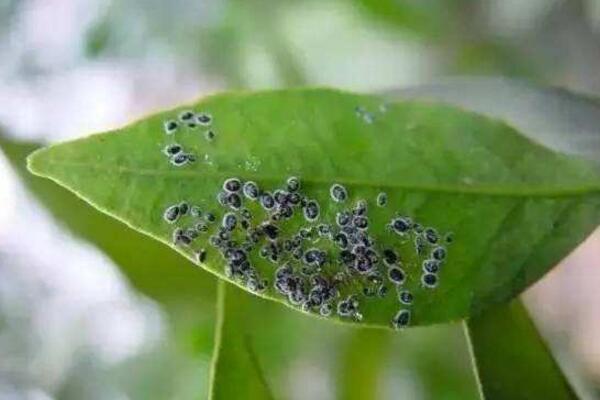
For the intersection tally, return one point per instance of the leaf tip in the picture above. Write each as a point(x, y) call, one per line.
point(35, 162)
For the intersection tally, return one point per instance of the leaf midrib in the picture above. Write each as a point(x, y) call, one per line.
point(505, 191)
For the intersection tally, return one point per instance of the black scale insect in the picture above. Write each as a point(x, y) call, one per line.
point(429, 280)
point(186, 116)
point(338, 193)
point(431, 266)
point(232, 185)
point(390, 257)
point(201, 256)
point(172, 149)
point(195, 211)
point(431, 235)
point(170, 127)
point(405, 297)
point(234, 200)
point(382, 199)
point(401, 225)
point(267, 201)
point(293, 184)
point(311, 210)
point(210, 135)
point(343, 218)
point(229, 221)
point(171, 214)
point(439, 253)
point(251, 190)
point(204, 119)
point(401, 319)
point(396, 275)
point(180, 159)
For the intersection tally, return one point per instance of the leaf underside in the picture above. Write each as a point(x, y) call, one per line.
point(513, 208)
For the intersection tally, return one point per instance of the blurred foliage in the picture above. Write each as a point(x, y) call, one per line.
point(151, 267)
point(512, 359)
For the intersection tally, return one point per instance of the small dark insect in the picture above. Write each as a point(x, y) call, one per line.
point(201, 227)
point(401, 319)
point(343, 218)
point(171, 214)
point(286, 212)
point(311, 210)
point(271, 231)
point(401, 225)
point(363, 265)
point(326, 309)
point(204, 119)
point(382, 291)
point(360, 208)
point(222, 198)
point(396, 275)
point(210, 217)
point(360, 222)
point(191, 233)
point(201, 255)
point(293, 184)
point(405, 297)
point(172, 149)
point(429, 280)
point(305, 233)
point(324, 230)
point(229, 221)
point(298, 253)
point(192, 125)
point(431, 235)
point(338, 193)
point(232, 185)
point(347, 257)
point(234, 201)
point(170, 126)
point(245, 224)
point(209, 135)
point(439, 253)
point(183, 208)
point(179, 237)
point(280, 196)
point(186, 116)
point(195, 211)
point(267, 201)
point(294, 198)
point(390, 257)
point(341, 240)
point(251, 190)
point(419, 245)
point(179, 159)
point(431, 266)
point(449, 237)
point(382, 199)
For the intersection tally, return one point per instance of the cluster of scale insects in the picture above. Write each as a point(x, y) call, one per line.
point(175, 152)
point(319, 261)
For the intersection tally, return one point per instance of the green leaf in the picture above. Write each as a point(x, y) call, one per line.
point(154, 270)
point(512, 360)
point(236, 370)
point(513, 207)
point(367, 348)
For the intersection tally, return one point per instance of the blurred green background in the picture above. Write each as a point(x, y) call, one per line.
point(92, 310)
